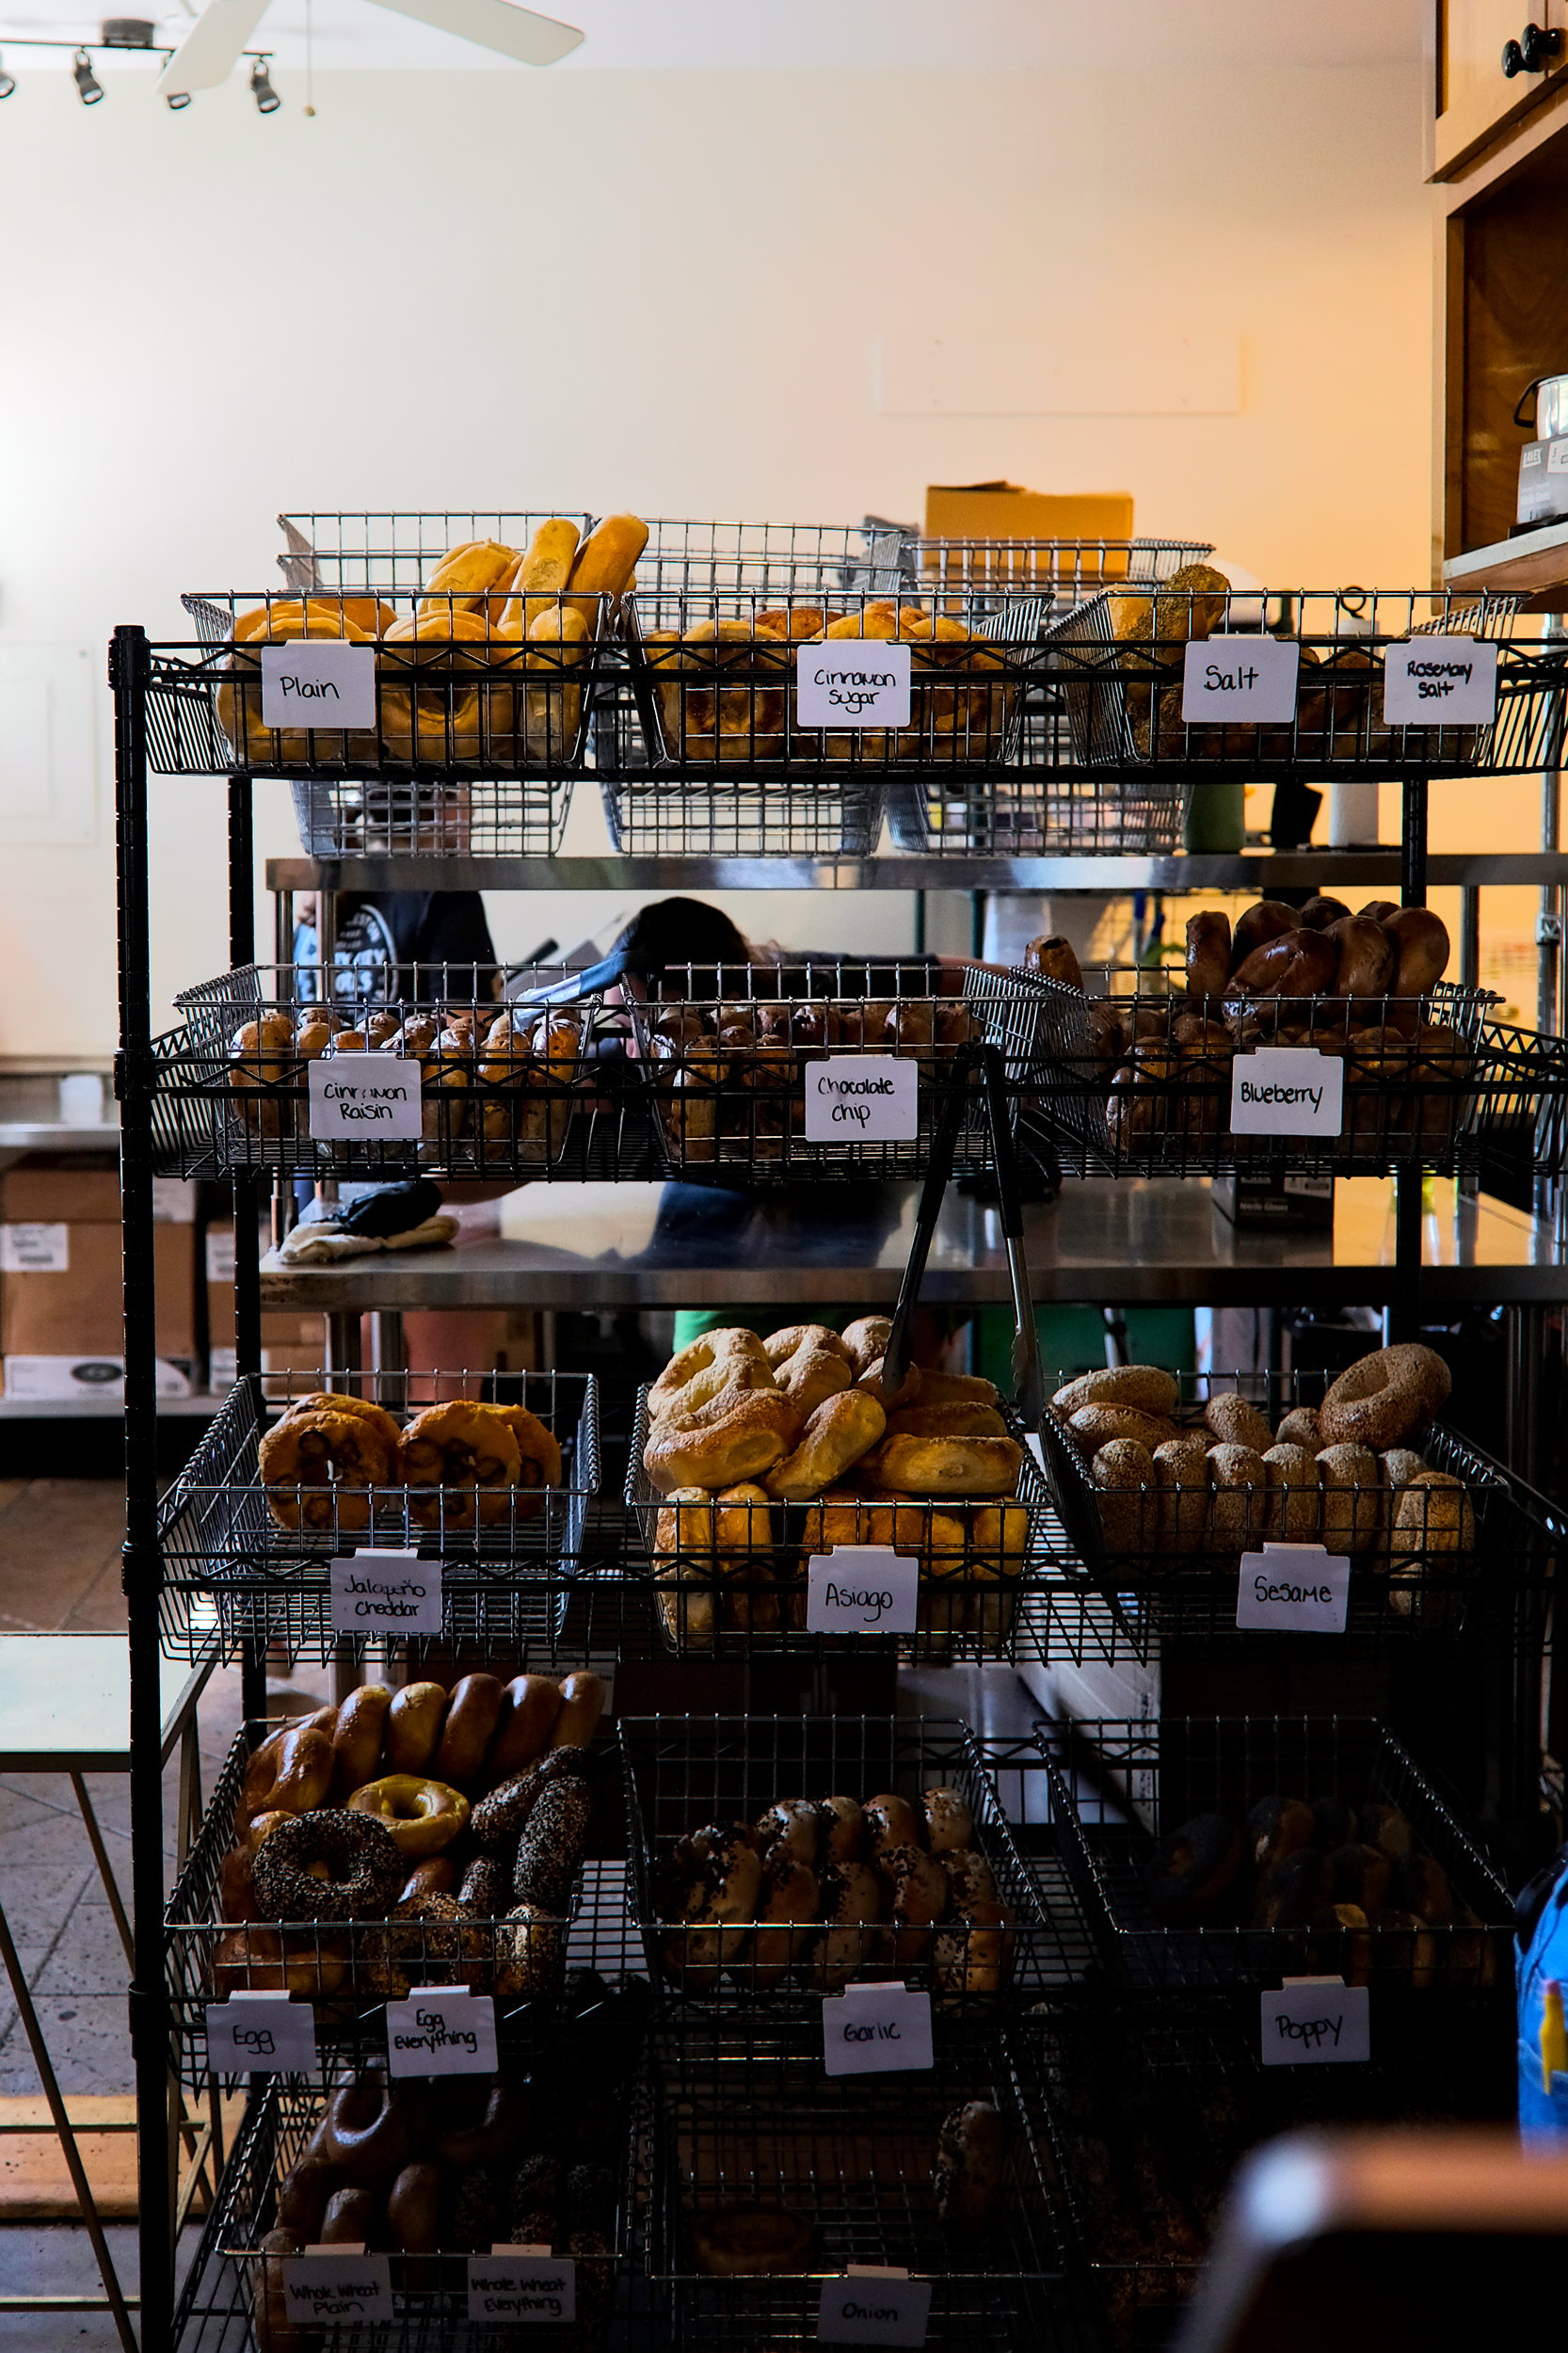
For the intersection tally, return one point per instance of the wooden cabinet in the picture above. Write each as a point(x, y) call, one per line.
point(1475, 101)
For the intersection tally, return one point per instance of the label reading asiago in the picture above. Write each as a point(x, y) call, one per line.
point(441, 2030)
point(386, 1593)
point(364, 1098)
point(1287, 1091)
point(870, 2305)
point(318, 683)
point(863, 1098)
point(514, 2283)
point(1440, 682)
point(337, 2283)
point(862, 1588)
point(852, 682)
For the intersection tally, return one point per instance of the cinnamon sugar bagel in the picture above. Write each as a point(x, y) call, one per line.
point(756, 1432)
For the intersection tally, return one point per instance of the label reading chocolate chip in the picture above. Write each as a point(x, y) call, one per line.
point(1316, 2021)
point(386, 1593)
point(862, 1588)
point(1293, 1588)
point(337, 2283)
point(516, 2283)
point(267, 2034)
point(862, 1098)
point(874, 2305)
point(876, 2030)
point(441, 2030)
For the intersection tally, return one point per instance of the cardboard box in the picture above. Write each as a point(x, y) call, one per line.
point(1277, 1198)
point(1000, 510)
point(61, 1377)
point(61, 1264)
point(1544, 481)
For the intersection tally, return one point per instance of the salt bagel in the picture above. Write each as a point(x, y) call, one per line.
point(1381, 1399)
point(728, 1358)
point(809, 1370)
point(755, 1433)
point(842, 1429)
point(951, 1467)
point(1145, 1387)
point(422, 1815)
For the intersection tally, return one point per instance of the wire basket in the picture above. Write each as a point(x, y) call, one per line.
point(394, 550)
point(1069, 570)
point(505, 1089)
point(979, 1561)
point(852, 2160)
point(1417, 1555)
point(730, 1051)
point(1119, 1788)
point(703, 559)
point(237, 1543)
point(685, 1772)
point(1137, 1078)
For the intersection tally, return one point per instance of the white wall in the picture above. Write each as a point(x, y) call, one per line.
point(659, 290)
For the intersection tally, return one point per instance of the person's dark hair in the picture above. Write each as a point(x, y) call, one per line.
point(681, 931)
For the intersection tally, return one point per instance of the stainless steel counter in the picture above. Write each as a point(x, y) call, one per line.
point(1136, 1242)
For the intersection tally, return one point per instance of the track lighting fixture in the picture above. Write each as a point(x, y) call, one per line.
point(7, 83)
point(176, 100)
point(90, 90)
point(267, 100)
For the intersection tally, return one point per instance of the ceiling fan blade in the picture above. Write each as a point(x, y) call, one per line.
point(206, 56)
point(494, 24)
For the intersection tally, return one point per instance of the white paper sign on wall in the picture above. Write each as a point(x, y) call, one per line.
point(318, 683)
point(386, 1593)
point(267, 2033)
point(520, 2284)
point(1316, 2021)
point(1287, 1091)
point(342, 2284)
point(862, 1588)
point(876, 2030)
point(31, 1247)
point(364, 1098)
point(874, 2305)
point(1293, 1588)
point(863, 1098)
point(1440, 682)
point(852, 682)
point(1240, 678)
point(441, 2030)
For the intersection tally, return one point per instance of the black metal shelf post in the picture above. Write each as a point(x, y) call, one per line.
point(1405, 1317)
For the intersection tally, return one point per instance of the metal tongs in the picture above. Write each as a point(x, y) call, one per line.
point(1028, 1385)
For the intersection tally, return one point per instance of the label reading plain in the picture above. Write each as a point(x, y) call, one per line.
point(876, 2030)
point(441, 2030)
point(1287, 1091)
point(871, 2306)
point(386, 1593)
point(507, 2286)
point(1316, 2021)
point(863, 1098)
point(1240, 678)
point(1440, 682)
point(318, 683)
point(852, 682)
point(267, 2034)
point(364, 1098)
point(862, 1588)
point(337, 2283)
point(1293, 1588)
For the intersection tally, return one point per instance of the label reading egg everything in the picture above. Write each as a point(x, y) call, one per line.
point(862, 1588)
point(870, 2305)
point(1240, 678)
point(875, 2030)
point(267, 2034)
point(386, 1593)
point(1316, 2021)
point(441, 2030)
point(337, 2283)
point(863, 1098)
point(1440, 682)
point(516, 2283)
point(852, 682)
point(364, 1098)
point(1293, 1588)
point(318, 683)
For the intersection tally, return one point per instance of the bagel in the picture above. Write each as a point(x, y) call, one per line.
point(422, 1815)
point(372, 2128)
point(285, 1774)
point(472, 1715)
point(1240, 1477)
point(1421, 944)
point(1352, 1497)
point(753, 1434)
point(538, 1452)
point(729, 1358)
point(1181, 1484)
point(842, 1429)
point(1319, 914)
point(1433, 1516)
point(363, 1869)
point(865, 1342)
point(467, 1453)
point(1145, 1387)
point(1208, 953)
point(1293, 1507)
point(909, 1389)
point(1266, 919)
point(1234, 1422)
point(1299, 1427)
point(809, 1371)
point(1368, 956)
point(1124, 1473)
point(413, 1730)
point(357, 1737)
point(964, 1418)
point(1093, 1426)
point(330, 1458)
point(957, 1388)
point(951, 1467)
point(1385, 1397)
point(533, 1704)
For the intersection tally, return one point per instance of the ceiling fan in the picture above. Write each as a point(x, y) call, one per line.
point(209, 49)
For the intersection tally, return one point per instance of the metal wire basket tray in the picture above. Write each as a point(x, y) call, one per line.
point(729, 1051)
point(853, 2159)
point(223, 1536)
point(395, 549)
point(751, 1599)
point(685, 1772)
point(1418, 1556)
point(1119, 1788)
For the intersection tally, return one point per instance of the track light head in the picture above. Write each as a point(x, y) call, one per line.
point(90, 90)
point(176, 100)
point(267, 100)
point(7, 83)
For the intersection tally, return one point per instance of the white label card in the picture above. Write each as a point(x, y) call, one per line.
point(337, 2283)
point(869, 2306)
point(364, 1098)
point(1440, 682)
point(266, 2033)
point(1316, 2021)
point(875, 2030)
point(863, 1098)
point(1240, 678)
point(220, 1254)
point(35, 1249)
point(441, 2030)
point(1287, 1091)
point(852, 682)
point(1293, 1588)
point(507, 2285)
point(318, 683)
point(386, 1593)
point(862, 1588)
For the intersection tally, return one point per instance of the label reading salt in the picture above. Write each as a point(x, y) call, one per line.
point(29, 1248)
point(870, 2305)
point(318, 683)
point(852, 682)
point(1240, 678)
point(1287, 1091)
point(514, 2283)
point(1293, 1588)
point(364, 1098)
point(441, 2030)
point(266, 2033)
point(1440, 682)
point(863, 1098)
point(875, 2030)
point(386, 1593)
point(1316, 2021)
point(337, 2283)
point(862, 1588)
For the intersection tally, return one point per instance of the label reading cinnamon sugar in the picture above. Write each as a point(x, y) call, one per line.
point(852, 682)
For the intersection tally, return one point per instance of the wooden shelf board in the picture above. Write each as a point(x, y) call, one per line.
point(1533, 565)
